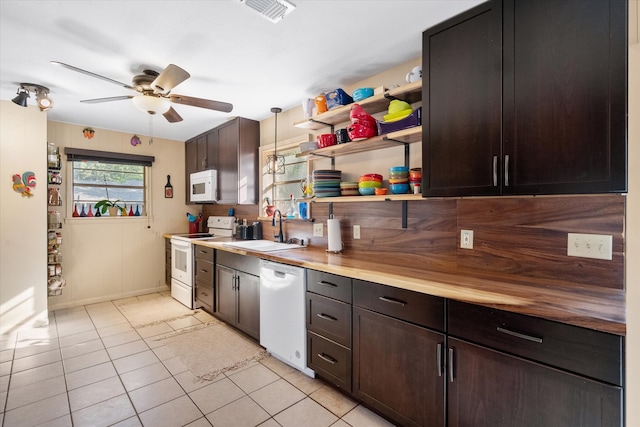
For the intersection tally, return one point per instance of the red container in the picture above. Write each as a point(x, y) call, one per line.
point(326, 140)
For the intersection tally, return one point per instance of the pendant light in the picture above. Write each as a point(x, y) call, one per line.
point(275, 163)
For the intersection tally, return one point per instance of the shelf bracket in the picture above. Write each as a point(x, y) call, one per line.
point(406, 149)
point(323, 123)
point(405, 209)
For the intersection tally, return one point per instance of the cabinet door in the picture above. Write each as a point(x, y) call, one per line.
point(228, 162)
point(396, 369)
point(461, 141)
point(201, 152)
point(565, 96)
point(212, 149)
point(494, 389)
point(248, 289)
point(190, 161)
point(226, 294)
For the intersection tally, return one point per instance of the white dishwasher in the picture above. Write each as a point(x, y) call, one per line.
point(283, 329)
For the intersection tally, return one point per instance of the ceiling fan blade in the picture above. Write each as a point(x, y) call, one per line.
point(172, 116)
point(202, 103)
point(109, 99)
point(89, 73)
point(169, 78)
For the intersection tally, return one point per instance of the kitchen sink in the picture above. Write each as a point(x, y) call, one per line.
point(262, 245)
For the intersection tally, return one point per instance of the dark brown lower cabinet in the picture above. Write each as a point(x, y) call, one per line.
point(490, 388)
point(397, 369)
point(238, 297)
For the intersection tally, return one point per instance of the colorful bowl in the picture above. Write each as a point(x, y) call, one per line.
point(366, 191)
point(380, 191)
point(369, 184)
point(399, 188)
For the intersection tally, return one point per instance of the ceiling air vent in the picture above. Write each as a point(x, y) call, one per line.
point(273, 10)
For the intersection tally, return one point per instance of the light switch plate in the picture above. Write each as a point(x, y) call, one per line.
point(317, 230)
point(598, 246)
point(356, 231)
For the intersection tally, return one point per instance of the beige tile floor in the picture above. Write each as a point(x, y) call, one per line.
point(90, 367)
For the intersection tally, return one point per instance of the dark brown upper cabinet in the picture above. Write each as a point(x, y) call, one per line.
point(526, 97)
point(232, 150)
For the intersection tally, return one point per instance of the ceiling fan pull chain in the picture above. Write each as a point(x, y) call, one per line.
point(150, 129)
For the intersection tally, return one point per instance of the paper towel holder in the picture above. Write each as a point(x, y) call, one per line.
point(339, 237)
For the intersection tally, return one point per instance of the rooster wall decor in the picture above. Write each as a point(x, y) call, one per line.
point(24, 184)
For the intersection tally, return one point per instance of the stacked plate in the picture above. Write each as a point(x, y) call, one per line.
point(326, 182)
point(349, 188)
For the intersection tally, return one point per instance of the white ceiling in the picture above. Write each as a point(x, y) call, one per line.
point(232, 53)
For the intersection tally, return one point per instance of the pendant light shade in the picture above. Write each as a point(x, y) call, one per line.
point(151, 104)
point(275, 163)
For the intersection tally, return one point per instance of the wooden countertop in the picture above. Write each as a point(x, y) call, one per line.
point(599, 309)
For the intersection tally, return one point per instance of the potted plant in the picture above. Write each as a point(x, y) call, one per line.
point(113, 207)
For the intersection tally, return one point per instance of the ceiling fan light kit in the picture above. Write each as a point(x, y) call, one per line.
point(42, 96)
point(273, 10)
point(151, 104)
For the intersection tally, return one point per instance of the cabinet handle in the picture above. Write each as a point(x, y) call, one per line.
point(326, 317)
point(329, 284)
point(327, 358)
point(233, 283)
point(506, 170)
point(495, 171)
point(519, 335)
point(439, 359)
point(392, 301)
point(450, 364)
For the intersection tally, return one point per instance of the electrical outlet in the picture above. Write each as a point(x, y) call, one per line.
point(356, 231)
point(318, 230)
point(598, 246)
point(466, 239)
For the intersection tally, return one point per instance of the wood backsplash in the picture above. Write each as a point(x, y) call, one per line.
point(513, 236)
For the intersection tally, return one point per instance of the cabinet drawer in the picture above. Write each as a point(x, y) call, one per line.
point(204, 252)
point(204, 296)
point(204, 271)
point(246, 263)
point(422, 309)
point(592, 353)
point(329, 285)
point(329, 360)
point(329, 318)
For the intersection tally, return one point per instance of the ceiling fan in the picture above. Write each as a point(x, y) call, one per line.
point(154, 92)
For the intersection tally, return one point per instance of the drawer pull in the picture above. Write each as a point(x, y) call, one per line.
point(326, 317)
point(519, 335)
point(329, 284)
point(392, 301)
point(327, 359)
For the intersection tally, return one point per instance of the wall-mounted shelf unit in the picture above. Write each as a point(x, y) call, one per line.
point(360, 199)
point(411, 92)
point(393, 139)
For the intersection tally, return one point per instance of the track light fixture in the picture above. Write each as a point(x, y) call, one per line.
point(42, 96)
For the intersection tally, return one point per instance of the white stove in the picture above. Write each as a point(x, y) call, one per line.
point(182, 259)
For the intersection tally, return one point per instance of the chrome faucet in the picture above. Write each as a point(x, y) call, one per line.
point(278, 236)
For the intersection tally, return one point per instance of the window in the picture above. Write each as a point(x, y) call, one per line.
point(278, 191)
point(108, 176)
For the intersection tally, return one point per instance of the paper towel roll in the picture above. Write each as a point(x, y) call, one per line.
point(334, 236)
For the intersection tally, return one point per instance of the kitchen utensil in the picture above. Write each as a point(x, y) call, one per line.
point(321, 104)
point(380, 191)
point(342, 136)
point(399, 188)
point(337, 98)
point(415, 74)
point(326, 140)
point(362, 93)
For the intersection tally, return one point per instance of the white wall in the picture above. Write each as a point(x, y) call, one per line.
point(106, 258)
point(23, 221)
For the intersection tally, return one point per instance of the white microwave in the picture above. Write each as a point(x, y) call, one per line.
point(203, 186)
